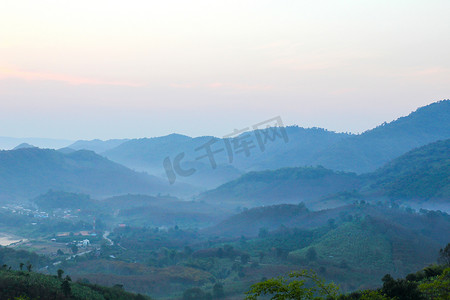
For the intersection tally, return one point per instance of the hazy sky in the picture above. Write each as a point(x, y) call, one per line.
point(111, 69)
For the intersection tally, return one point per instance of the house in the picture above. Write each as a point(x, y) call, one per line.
point(86, 243)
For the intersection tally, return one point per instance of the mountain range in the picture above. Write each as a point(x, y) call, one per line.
point(422, 174)
point(28, 172)
point(359, 153)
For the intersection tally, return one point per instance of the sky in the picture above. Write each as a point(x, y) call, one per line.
point(127, 69)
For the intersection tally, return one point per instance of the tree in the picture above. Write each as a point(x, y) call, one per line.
point(59, 252)
point(65, 286)
point(60, 273)
point(400, 289)
point(245, 258)
point(311, 254)
point(438, 287)
point(261, 256)
point(444, 255)
point(21, 266)
point(74, 249)
point(293, 287)
point(218, 291)
point(263, 233)
point(29, 267)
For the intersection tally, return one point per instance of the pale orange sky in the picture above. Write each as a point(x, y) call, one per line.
point(111, 69)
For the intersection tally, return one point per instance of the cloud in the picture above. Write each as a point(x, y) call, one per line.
point(74, 80)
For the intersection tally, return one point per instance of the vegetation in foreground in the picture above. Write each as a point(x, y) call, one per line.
point(432, 282)
point(31, 285)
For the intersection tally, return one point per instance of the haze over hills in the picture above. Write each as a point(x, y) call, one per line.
point(303, 147)
point(23, 146)
point(286, 185)
point(422, 174)
point(271, 217)
point(26, 173)
point(97, 145)
point(8, 143)
point(373, 148)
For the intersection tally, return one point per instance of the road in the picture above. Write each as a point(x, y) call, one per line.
point(105, 236)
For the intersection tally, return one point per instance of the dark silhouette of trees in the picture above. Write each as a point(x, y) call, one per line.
point(400, 289)
point(444, 255)
point(218, 291)
point(65, 286)
point(311, 254)
point(245, 258)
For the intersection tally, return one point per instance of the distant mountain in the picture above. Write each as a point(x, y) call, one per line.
point(299, 147)
point(286, 185)
point(373, 148)
point(98, 146)
point(422, 173)
point(149, 154)
point(23, 146)
point(25, 173)
point(66, 150)
point(8, 143)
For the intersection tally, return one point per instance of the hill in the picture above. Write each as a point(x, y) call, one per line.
point(249, 222)
point(373, 148)
point(423, 173)
point(166, 211)
point(31, 285)
point(286, 185)
point(23, 146)
point(420, 174)
point(58, 199)
point(25, 173)
point(98, 146)
point(302, 147)
point(148, 154)
point(8, 143)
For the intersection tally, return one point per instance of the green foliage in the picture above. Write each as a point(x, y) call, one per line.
point(294, 287)
point(401, 289)
point(444, 255)
point(31, 285)
point(421, 173)
point(311, 254)
point(437, 287)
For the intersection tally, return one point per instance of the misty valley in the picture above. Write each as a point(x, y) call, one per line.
point(344, 216)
